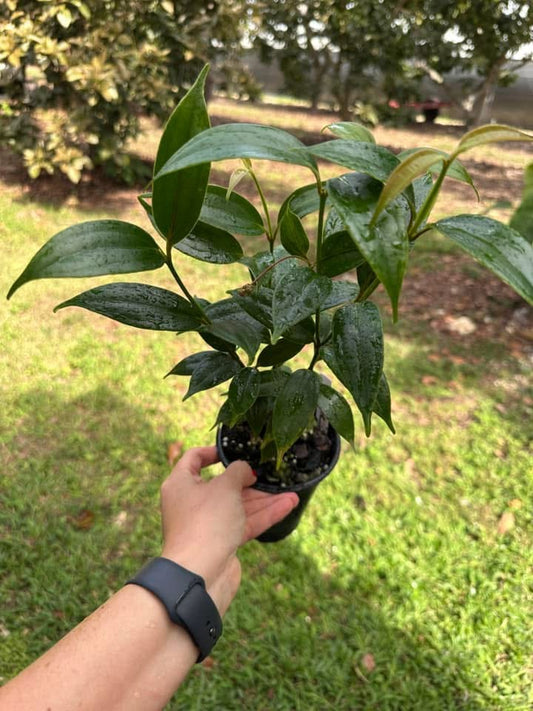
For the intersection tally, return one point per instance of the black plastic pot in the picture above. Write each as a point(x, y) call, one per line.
point(304, 490)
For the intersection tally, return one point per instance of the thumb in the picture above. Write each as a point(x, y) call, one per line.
point(239, 474)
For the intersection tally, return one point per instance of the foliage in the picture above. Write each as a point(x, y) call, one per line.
point(522, 219)
point(368, 222)
point(87, 70)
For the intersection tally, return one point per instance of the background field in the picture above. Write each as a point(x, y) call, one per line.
point(408, 583)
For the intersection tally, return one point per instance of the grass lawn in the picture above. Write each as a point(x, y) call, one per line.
point(408, 583)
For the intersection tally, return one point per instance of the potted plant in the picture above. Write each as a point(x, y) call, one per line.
point(300, 297)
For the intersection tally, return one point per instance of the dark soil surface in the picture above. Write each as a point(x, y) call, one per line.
point(308, 458)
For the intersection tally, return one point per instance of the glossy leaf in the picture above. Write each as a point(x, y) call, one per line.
point(234, 214)
point(230, 322)
point(302, 332)
point(382, 405)
point(177, 198)
point(279, 353)
point(93, 249)
point(139, 305)
point(339, 255)
point(357, 344)
point(239, 140)
point(456, 170)
point(350, 130)
point(210, 244)
point(338, 412)
point(341, 293)
point(385, 245)
point(298, 295)
point(414, 165)
point(522, 219)
point(257, 302)
point(272, 382)
point(493, 133)
point(243, 391)
point(207, 369)
point(303, 201)
point(293, 408)
point(258, 415)
point(495, 245)
point(367, 158)
point(292, 234)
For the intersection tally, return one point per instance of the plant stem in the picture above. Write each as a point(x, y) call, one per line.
point(275, 264)
point(363, 295)
point(182, 286)
point(429, 202)
point(319, 240)
point(270, 235)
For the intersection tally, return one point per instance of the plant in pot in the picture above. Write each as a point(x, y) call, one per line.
point(305, 295)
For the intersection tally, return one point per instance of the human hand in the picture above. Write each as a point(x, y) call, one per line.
point(204, 522)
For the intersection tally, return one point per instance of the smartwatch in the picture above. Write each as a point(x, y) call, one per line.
point(186, 600)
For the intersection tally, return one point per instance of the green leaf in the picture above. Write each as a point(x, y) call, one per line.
point(350, 130)
point(401, 177)
point(456, 170)
point(495, 245)
point(177, 198)
point(210, 244)
point(243, 391)
point(302, 332)
point(234, 214)
point(522, 219)
point(298, 295)
point(239, 140)
point(303, 201)
point(357, 349)
point(257, 302)
point(367, 158)
point(207, 369)
point(293, 408)
point(138, 305)
point(272, 382)
point(338, 412)
point(382, 405)
point(385, 245)
point(293, 235)
point(339, 255)
point(231, 323)
point(279, 353)
point(93, 249)
point(492, 133)
point(341, 293)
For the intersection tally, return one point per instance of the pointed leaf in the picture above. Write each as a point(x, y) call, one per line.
point(338, 412)
point(243, 391)
point(239, 140)
point(272, 382)
point(339, 255)
point(303, 201)
point(341, 293)
point(382, 405)
point(210, 244)
point(93, 249)
point(293, 235)
point(414, 165)
point(177, 199)
point(491, 133)
point(350, 130)
point(522, 219)
point(367, 158)
point(385, 245)
point(139, 305)
point(257, 302)
point(207, 369)
point(234, 214)
point(293, 408)
point(498, 247)
point(230, 322)
point(456, 170)
point(279, 353)
point(357, 347)
point(298, 295)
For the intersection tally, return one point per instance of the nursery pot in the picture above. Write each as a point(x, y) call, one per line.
point(304, 490)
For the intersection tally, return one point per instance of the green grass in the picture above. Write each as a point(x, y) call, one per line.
point(398, 556)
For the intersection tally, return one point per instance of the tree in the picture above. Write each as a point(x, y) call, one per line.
point(88, 69)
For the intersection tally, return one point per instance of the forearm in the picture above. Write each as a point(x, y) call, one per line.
point(126, 655)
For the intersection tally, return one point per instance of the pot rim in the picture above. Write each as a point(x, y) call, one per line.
point(278, 489)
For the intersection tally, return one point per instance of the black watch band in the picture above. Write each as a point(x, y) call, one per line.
point(186, 600)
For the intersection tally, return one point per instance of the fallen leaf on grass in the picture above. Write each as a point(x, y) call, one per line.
point(83, 520)
point(174, 452)
point(368, 662)
point(506, 523)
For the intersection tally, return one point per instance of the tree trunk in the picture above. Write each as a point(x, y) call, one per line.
point(482, 109)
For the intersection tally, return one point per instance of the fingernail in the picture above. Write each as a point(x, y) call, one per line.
point(254, 473)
